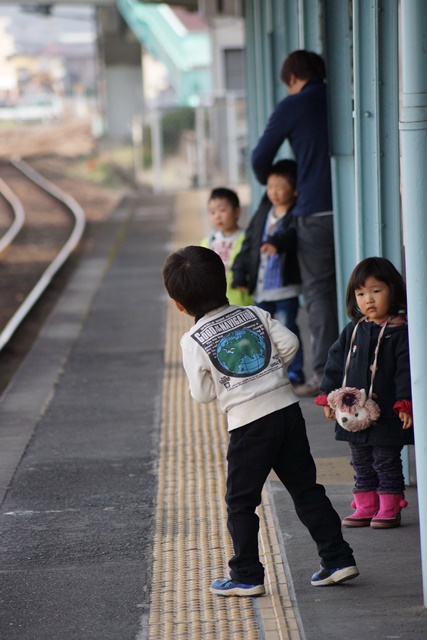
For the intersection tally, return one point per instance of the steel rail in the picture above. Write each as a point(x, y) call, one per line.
point(56, 264)
point(18, 213)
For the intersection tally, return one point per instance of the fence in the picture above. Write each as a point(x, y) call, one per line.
point(183, 147)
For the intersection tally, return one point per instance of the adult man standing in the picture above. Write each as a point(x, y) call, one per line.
point(301, 118)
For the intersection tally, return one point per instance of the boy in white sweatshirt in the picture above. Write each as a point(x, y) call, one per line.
point(239, 356)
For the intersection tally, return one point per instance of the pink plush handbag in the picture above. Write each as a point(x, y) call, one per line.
point(354, 410)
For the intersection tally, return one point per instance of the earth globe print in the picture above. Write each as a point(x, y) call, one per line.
point(242, 352)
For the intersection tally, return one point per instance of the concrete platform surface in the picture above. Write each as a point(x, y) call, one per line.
point(112, 521)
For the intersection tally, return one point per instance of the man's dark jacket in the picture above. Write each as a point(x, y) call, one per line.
point(301, 119)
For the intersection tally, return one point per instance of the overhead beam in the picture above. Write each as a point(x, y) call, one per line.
point(76, 3)
point(189, 4)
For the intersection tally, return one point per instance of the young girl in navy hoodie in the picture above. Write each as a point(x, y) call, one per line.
point(376, 302)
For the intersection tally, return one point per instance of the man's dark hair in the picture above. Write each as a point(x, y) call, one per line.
point(195, 277)
point(304, 65)
point(226, 194)
point(286, 169)
point(383, 270)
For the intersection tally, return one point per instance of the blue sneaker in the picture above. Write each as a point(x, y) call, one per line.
point(326, 577)
point(229, 587)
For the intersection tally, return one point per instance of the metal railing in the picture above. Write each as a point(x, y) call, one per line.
point(64, 253)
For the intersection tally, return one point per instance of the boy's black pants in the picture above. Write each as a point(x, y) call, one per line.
point(277, 441)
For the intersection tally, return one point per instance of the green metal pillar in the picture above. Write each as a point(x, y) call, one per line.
point(376, 132)
point(338, 53)
point(310, 14)
point(413, 137)
point(259, 77)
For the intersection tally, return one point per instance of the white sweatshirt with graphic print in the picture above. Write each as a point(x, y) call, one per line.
point(240, 355)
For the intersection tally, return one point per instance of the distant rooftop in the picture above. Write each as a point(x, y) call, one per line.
point(191, 20)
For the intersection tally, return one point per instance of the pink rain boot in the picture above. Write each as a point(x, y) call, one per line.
point(388, 515)
point(366, 504)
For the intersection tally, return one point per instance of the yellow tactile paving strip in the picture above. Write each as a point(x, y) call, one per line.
point(192, 545)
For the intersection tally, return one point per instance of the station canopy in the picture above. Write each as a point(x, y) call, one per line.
point(44, 7)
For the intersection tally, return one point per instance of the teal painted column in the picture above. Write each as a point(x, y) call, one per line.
point(413, 138)
point(255, 89)
point(338, 54)
point(280, 42)
point(366, 129)
point(250, 56)
point(376, 133)
point(265, 12)
point(257, 81)
point(310, 25)
point(291, 25)
point(389, 161)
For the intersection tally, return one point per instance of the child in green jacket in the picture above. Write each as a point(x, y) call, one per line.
point(227, 238)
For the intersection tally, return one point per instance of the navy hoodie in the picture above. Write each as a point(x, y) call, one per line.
point(302, 119)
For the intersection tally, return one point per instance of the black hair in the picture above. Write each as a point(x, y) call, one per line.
point(195, 277)
point(286, 169)
point(383, 270)
point(304, 65)
point(226, 194)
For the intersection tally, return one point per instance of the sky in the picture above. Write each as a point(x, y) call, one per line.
point(67, 24)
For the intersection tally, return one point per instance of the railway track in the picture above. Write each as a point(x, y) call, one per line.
point(40, 226)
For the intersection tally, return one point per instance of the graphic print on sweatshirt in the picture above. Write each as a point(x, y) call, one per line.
point(237, 344)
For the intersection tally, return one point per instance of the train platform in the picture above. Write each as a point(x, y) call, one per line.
point(112, 522)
